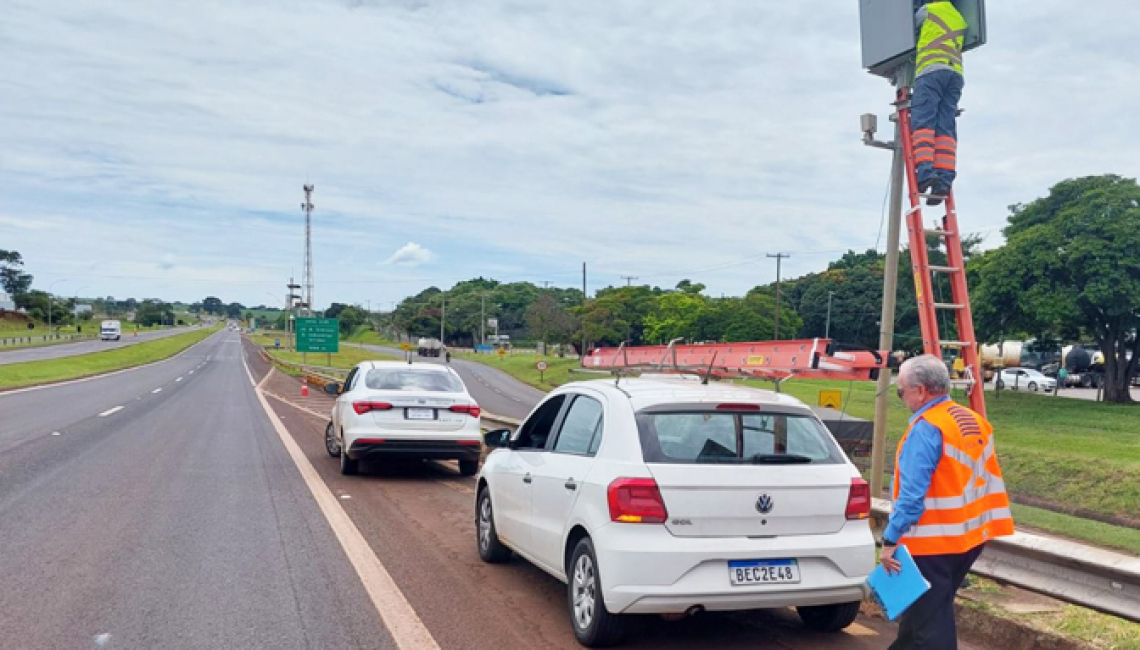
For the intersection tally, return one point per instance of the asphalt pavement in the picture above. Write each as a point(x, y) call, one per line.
point(157, 508)
point(19, 355)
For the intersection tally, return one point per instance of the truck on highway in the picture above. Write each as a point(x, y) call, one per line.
point(426, 347)
point(110, 330)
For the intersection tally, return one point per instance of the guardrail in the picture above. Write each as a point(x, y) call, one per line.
point(10, 341)
point(1103, 580)
point(316, 375)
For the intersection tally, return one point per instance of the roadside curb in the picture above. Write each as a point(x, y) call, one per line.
point(1008, 634)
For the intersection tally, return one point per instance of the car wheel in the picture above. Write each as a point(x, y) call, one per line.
point(1033, 386)
point(594, 625)
point(829, 618)
point(469, 467)
point(331, 445)
point(1000, 384)
point(348, 466)
point(491, 550)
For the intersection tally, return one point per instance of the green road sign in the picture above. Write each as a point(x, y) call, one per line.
point(318, 335)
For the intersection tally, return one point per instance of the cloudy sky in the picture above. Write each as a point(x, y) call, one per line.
point(159, 148)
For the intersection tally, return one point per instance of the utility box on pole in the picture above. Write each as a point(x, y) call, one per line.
point(890, 35)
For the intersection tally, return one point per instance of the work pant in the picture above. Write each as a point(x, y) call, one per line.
point(929, 623)
point(934, 116)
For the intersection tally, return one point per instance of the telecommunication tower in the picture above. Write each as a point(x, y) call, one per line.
point(307, 281)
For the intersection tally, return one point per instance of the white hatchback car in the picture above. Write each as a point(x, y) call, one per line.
point(667, 496)
point(408, 410)
point(1025, 378)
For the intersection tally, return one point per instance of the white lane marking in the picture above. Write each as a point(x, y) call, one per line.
point(346, 496)
point(56, 433)
point(179, 379)
point(322, 416)
point(103, 639)
point(405, 626)
point(191, 372)
point(110, 411)
point(157, 390)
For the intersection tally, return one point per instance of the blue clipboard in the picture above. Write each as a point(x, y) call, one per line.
point(895, 593)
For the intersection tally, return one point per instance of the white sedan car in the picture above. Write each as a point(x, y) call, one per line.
point(1025, 379)
point(407, 410)
point(665, 496)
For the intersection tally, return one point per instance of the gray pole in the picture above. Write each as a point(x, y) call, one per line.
point(779, 258)
point(827, 327)
point(887, 318)
point(442, 315)
point(482, 319)
point(582, 352)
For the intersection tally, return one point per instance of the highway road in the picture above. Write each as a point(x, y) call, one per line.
point(20, 355)
point(173, 506)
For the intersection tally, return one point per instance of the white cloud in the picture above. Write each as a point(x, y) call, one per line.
point(410, 254)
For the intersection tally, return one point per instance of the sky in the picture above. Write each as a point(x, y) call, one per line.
point(158, 149)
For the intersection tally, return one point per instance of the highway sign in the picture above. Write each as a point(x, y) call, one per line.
point(831, 398)
point(541, 365)
point(405, 346)
point(502, 352)
point(318, 335)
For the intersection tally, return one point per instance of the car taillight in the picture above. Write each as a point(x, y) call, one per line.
point(636, 501)
point(470, 409)
point(363, 407)
point(738, 407)
point(859, 499)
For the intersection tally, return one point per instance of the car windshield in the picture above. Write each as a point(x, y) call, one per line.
point(412, 380)
point(693, 436)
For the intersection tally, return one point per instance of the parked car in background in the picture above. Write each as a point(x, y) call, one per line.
point(392, 409)
point(110, 330)
point(1025, 379)
point(667, 496)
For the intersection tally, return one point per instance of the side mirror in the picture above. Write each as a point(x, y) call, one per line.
point(497, 439)
point(333, 388)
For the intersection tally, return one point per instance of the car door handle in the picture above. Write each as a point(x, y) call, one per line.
point(527, 479)
point(571, 485)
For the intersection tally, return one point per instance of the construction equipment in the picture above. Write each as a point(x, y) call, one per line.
point(772, 360)
point(946, 229)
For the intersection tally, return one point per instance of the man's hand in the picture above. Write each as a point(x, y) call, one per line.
point(887, 558)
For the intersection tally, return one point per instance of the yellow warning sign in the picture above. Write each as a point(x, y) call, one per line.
point(831, 399)
point(502, 352)
point(405, 346)
point(756, 360)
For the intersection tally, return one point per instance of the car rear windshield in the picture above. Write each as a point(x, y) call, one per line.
point(706, 436)
point(405, 379)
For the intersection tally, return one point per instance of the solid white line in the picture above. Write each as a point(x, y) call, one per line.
point(405, 626)
point(110, 411)
point(157, 390)
point(179, 379)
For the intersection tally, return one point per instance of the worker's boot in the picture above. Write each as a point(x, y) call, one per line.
point(939, 190)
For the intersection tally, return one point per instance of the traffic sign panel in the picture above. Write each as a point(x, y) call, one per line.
point(541, 365)
point(318, 335)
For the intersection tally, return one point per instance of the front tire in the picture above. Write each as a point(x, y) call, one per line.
point(1033, 386)
point(331, 445)
point(469, 467)
point(829, 618)
point(594, 626)
point(491, 550)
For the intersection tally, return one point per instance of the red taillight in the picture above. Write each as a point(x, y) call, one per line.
point(859, 499)
point(738, 407)
point(470, 409)
point(470, 443)
point(636, 501)
point(363, 407)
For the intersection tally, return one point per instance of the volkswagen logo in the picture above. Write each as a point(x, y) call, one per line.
point(764, 504)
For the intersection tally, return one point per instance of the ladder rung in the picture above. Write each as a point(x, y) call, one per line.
point(940, 233)
point(954, 344)
point(948, 305)
point(944, 269)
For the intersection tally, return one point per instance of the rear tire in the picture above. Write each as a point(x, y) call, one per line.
point(1033, 386)
point(348, 466)
point(469, 467)
point(594, 626)
point(331, 445)
point(1000, 384)
point(829, 618)
point(491, 550)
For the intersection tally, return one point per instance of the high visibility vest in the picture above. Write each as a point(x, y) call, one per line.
point(942, 37)
point(966, 504)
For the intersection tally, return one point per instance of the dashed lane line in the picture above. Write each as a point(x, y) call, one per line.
point(110, 411)
point(157, 390)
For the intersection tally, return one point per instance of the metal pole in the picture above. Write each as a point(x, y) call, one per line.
point(442, 315)
point(827, 327)
point(482, 319)
point(887, 318)
point(779, 258)
point(582, 352)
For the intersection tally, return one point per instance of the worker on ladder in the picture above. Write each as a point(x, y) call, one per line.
point(937, 88)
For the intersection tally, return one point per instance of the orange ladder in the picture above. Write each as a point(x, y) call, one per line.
point(947, 230)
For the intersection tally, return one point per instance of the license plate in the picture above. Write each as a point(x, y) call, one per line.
point(420, 414)
point(763, 572)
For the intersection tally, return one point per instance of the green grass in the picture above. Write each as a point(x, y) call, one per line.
point(345, 359)
point(522, 367)
point(1068, 452)
point(368, 337)
point(1101, 534)
point(32, 373)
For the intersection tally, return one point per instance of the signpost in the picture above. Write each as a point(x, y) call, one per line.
point(318, 335)
point(541, 366)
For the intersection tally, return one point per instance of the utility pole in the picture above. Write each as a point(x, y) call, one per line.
point(546, 284)
point(629, 279)
point(827, 327)
point(442, 315)
point(779, 258)
point(308, 206)
point(890, 285)
point(582, 352)
point(482, 319)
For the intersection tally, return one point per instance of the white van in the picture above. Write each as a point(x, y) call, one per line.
point(111, 330)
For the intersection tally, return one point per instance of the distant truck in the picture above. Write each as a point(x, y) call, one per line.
point(429, 347)
point(110, 330)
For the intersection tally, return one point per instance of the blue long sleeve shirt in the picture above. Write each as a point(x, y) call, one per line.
point(920, 456)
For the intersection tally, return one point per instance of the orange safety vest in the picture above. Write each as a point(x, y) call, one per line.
point(966, 504)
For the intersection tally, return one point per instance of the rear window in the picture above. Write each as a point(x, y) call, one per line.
point(412, 380)
point(728, 437)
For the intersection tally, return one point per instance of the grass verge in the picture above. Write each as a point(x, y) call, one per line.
point(345, 359)
point(31, 373)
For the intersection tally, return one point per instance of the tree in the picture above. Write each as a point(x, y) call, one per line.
point(12, 277)
point(1071, 264)
point(548, 321)
point(213, 306)
point(351, 317)
point(234, 309)
point(154, 312)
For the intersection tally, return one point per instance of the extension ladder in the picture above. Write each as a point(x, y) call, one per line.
point(955, 268)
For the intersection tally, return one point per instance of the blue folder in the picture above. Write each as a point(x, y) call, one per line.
point(895, 593)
